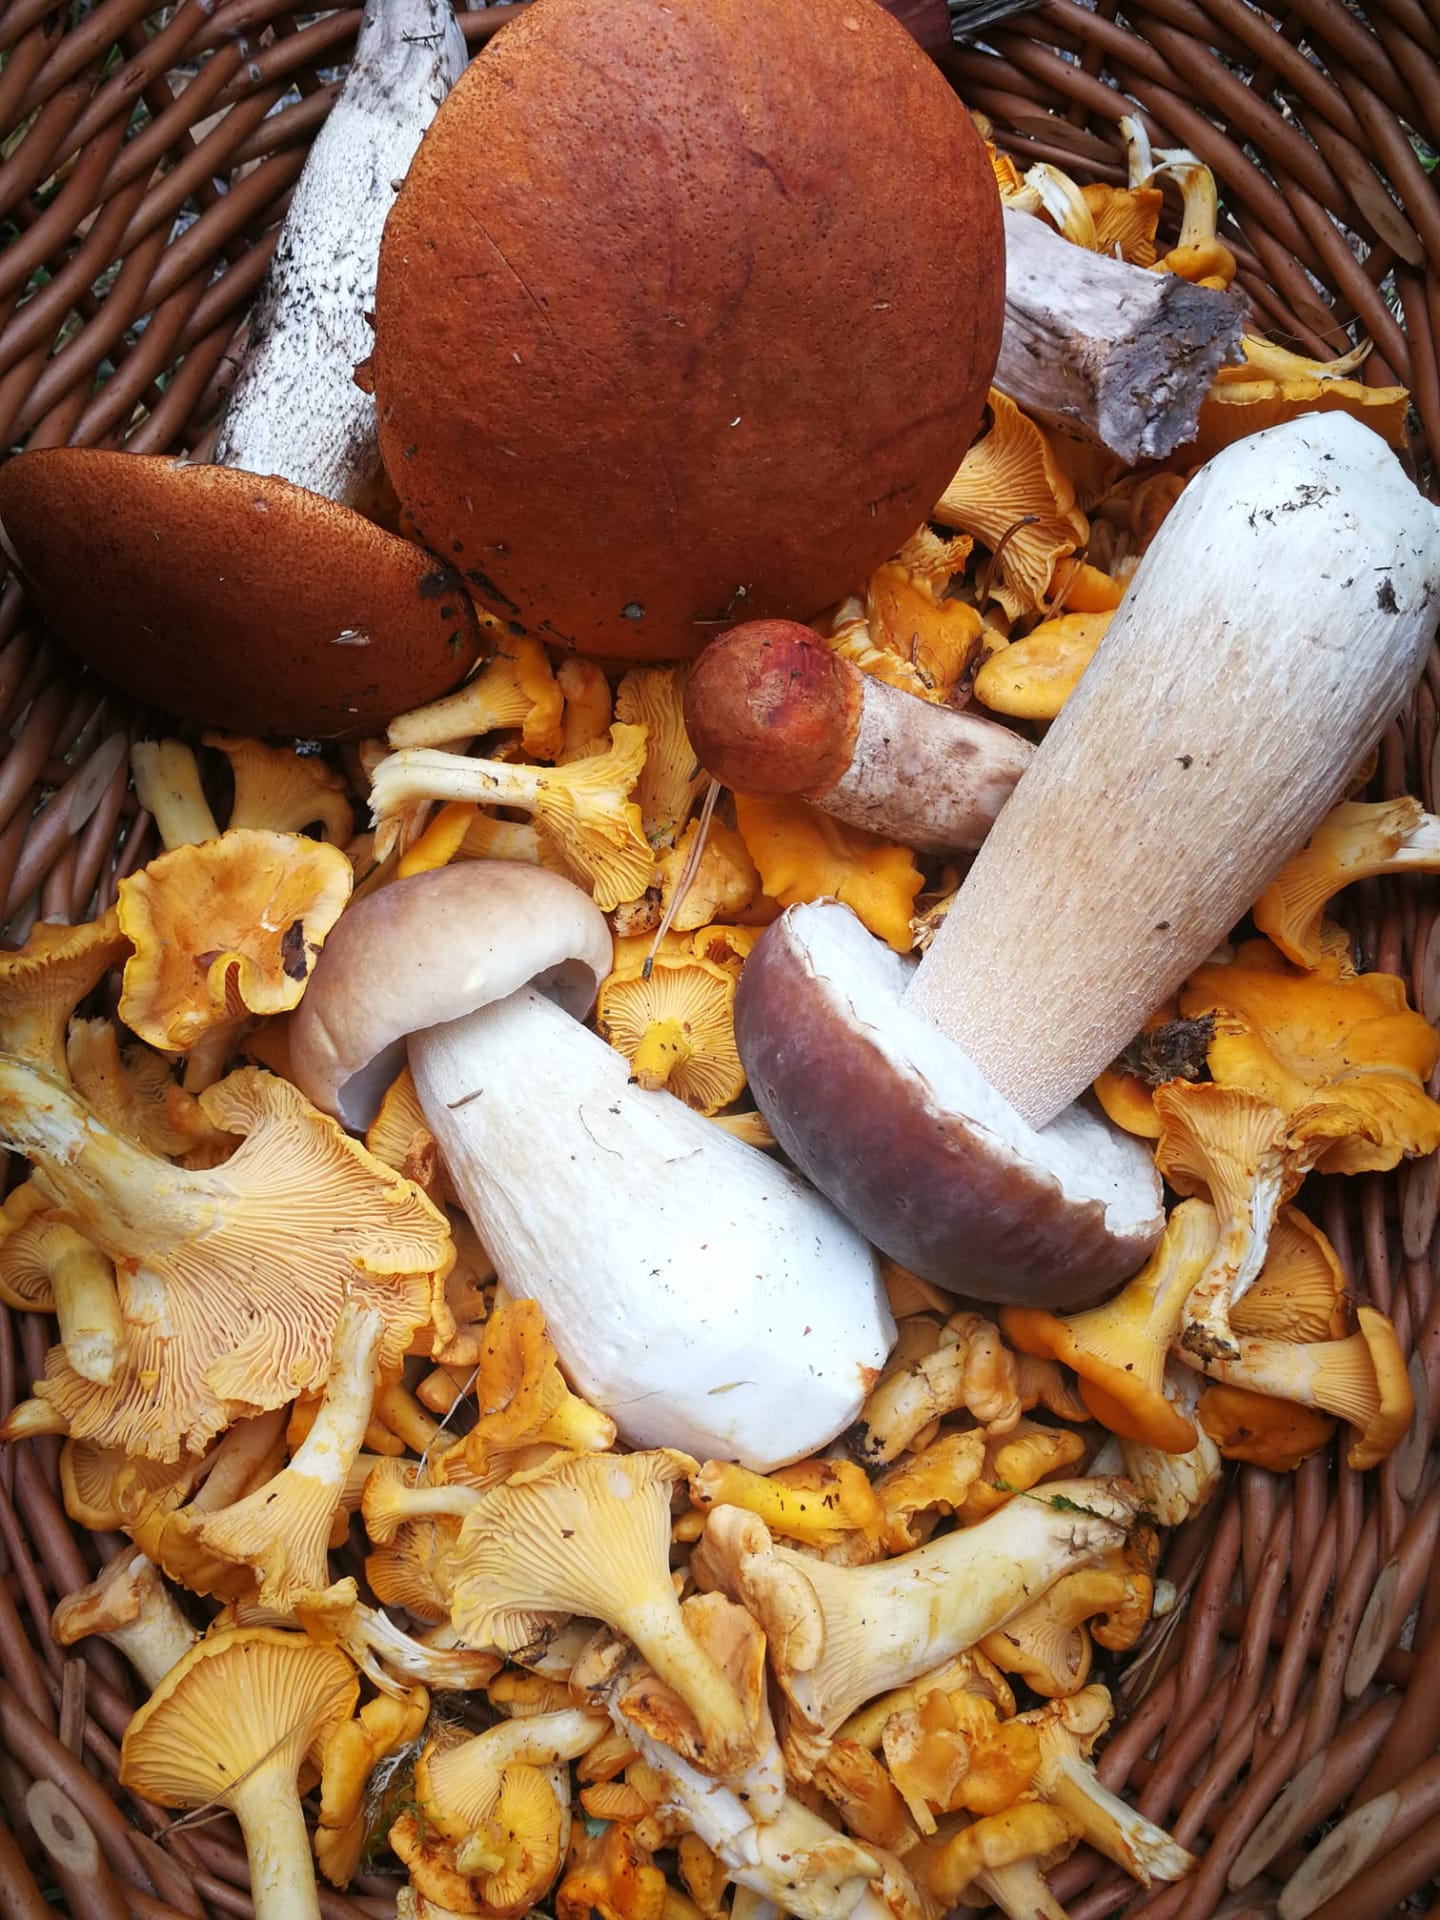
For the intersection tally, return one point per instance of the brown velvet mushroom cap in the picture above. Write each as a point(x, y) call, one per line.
point(233, 598)
point(907, 1138)
point(431, 949)
point(685, 314)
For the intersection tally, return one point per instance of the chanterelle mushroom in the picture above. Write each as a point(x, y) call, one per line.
point(231, 1725)
point(231, 1279)
point(695, 1290)
point(314, 620)
point(1145, 825)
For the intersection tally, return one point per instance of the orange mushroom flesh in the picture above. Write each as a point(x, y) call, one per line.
point(1341, 1054)
point(1361, 1379)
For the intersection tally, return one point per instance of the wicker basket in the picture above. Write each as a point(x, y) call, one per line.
point(145, 160)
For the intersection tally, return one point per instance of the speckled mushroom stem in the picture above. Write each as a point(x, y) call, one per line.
point(1276, 624)
point(295, 410)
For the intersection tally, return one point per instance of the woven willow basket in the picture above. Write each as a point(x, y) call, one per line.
point(145, 161)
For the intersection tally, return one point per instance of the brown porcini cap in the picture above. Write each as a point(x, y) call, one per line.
point(235, 599)
point(431, 949)
point(907, 1138)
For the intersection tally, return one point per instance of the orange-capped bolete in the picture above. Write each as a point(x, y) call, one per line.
point(253, 594)
point(687, 311)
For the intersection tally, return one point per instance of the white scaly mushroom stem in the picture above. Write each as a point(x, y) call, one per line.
point(295, 410)
point(1274, 627)
point(702, 1295)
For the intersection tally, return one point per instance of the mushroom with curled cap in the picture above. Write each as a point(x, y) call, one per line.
point(231, 1725)
point(230, 1279)
point(1143, 828)
point(315, 621)
point(696, 1291)
point(128, 1604)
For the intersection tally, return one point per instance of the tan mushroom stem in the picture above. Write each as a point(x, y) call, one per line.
point(773, 711)
point(840, 1635)
point(1201, 748)
point(130, 1606)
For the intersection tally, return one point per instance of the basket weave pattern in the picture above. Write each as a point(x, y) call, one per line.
point(146, 158)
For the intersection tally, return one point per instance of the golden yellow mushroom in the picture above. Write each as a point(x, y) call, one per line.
point(1031, 679)
point(804, 854)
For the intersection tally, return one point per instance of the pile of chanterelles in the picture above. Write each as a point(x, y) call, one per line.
point(697, 1595)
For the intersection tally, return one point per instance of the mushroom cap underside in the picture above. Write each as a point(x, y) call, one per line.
point(905, 1136)
point(430, 949)
point(235, 599)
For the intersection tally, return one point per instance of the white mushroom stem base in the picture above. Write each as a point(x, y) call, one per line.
point(696, 1291)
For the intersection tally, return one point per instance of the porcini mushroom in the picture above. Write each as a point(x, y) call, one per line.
point(1140, 832)
point(773, 711)
point(920, 1150)
point(315, 621)
point(695, 1290)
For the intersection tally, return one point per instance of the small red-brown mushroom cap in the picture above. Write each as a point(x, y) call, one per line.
point(233, 598)
point(914, 1146)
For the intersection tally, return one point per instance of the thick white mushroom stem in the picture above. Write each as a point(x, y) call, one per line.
point(1275, 625)
point(702, 1295)
point(295, 410)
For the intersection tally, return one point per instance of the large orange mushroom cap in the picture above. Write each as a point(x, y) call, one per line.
point(234, 598)
point(685, 313)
